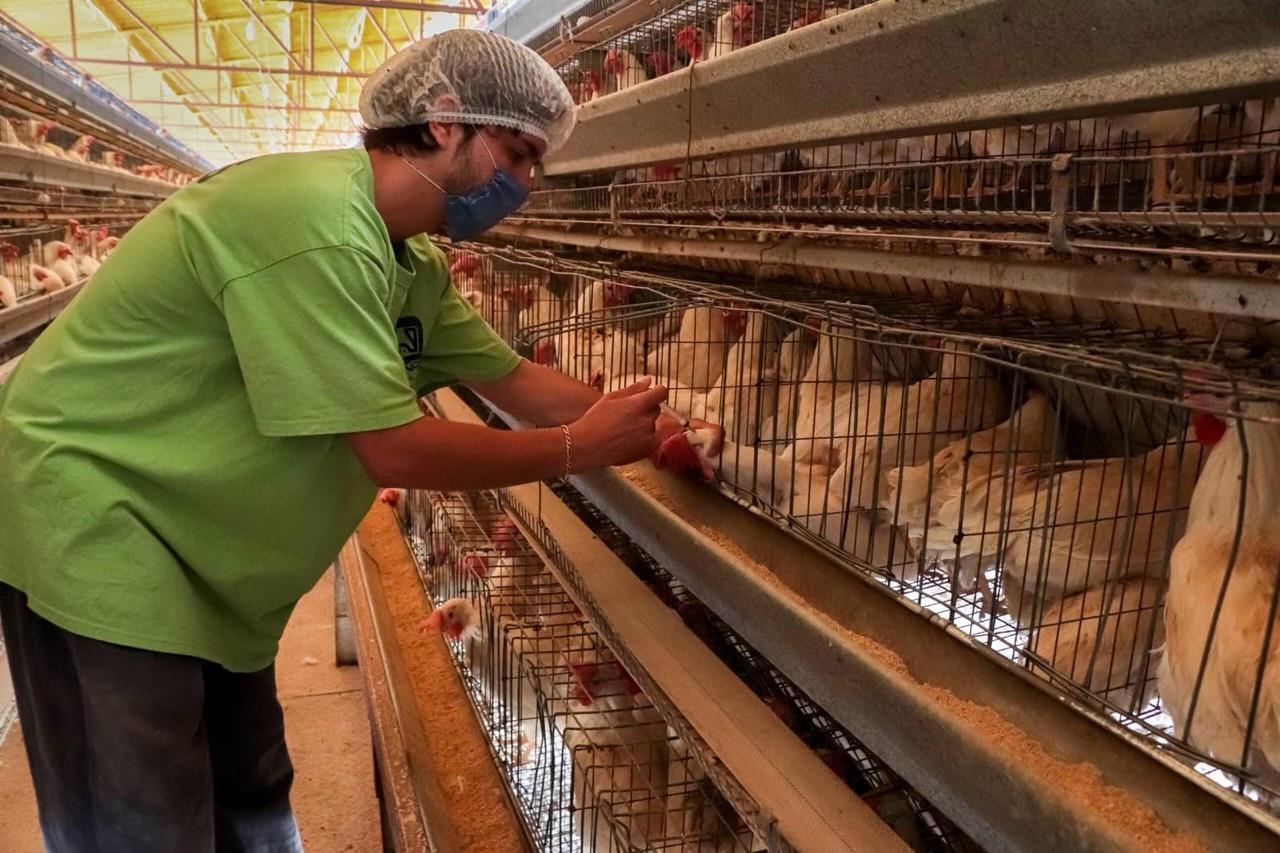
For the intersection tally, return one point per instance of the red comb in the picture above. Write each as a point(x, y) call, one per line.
point(465, 263)
point(583, 674)
point(475, 565)
point(504, 535)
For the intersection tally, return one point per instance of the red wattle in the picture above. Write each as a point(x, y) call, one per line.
point(677, 455)
point(1209, 429)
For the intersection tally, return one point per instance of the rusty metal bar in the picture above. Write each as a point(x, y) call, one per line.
point(394, 4)
point(256, 58)
point(232, 105)
point(386, 38)
point(234, 69)
point(284, 48)
point(150, 30)
point(71, 15)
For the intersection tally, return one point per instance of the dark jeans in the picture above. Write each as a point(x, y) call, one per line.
point(133, 751)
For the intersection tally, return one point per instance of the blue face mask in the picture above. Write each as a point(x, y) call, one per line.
point(468, 216)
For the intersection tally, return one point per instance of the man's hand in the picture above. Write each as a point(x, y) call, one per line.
point(620, 428)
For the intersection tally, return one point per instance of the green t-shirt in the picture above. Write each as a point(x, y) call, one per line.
point(173, 471)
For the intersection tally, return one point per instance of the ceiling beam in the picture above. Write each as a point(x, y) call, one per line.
point(430, 8)
point(235, 69)
point(234, 105)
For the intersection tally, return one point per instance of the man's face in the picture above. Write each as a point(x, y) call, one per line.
point(513, 151)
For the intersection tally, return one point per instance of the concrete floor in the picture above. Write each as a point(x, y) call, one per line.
point(326, 726)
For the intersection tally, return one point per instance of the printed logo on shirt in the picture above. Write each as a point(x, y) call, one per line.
point(409, 334)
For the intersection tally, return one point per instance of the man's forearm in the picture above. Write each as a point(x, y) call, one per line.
point(436, 454)
point(539, 395)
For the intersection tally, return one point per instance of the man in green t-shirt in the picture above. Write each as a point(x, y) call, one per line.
point(187, 446)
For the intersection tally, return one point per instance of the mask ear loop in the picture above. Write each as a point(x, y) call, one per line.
point(421, 173)
point(487, 149)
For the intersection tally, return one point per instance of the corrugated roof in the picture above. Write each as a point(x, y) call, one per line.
point(235, 78)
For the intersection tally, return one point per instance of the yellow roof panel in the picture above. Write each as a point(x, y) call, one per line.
point(235, 78)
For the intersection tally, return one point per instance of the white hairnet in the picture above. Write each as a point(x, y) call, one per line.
point(473, 77)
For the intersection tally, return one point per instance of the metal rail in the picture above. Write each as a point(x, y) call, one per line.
point(31, 314)
point(913, 68)
point(1233, 296)
point(47, 170)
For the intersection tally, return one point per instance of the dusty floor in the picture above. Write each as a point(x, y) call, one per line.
point(328, 733)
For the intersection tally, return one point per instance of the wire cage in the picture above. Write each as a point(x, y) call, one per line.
point(1205, 175)
point(909, 814)
point(23, 131)
point(682, 34)
point(40, 259)
point(1211, 166)
point(590, 760)
point(1085, 501)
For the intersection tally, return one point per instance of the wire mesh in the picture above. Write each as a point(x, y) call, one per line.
point(26, 132)
point(1086, 501)
point(38, 260)
point(678, 36)
point(909, 814)
point(1205, 175)
point(590, 760)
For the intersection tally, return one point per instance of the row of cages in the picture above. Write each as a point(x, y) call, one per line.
point(1197, 172)
point(21, 201)
point(41, 259)
point(592, 763)
point(1211, 166)
point(1088, 502)
point(25, 131)
point(677, 36)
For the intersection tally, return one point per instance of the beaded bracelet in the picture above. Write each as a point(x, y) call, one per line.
point(568, 450)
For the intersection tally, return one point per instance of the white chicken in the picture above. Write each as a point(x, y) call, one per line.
point(795, 354)
point(46, 280)
point(1066, 527)
point(914, 421)
point(1102, 638)
point(616, 353)
point(113, 160)
point(748, 388)
point(64, 264)
point(87, 265)
point(1228, 557)
point(79, 150)
point(916, 493)
point(50, 252)
point(35, 133)
point(624, 69)
point(733, 30)
point(9, 254)
point(9, 136)
point(823, 411)
point(580, 349)
point(695, 357)
point(533, 648)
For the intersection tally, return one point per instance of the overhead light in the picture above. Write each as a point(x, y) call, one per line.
point(250, 30)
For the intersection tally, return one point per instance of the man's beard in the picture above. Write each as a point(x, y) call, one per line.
point(466, 173)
